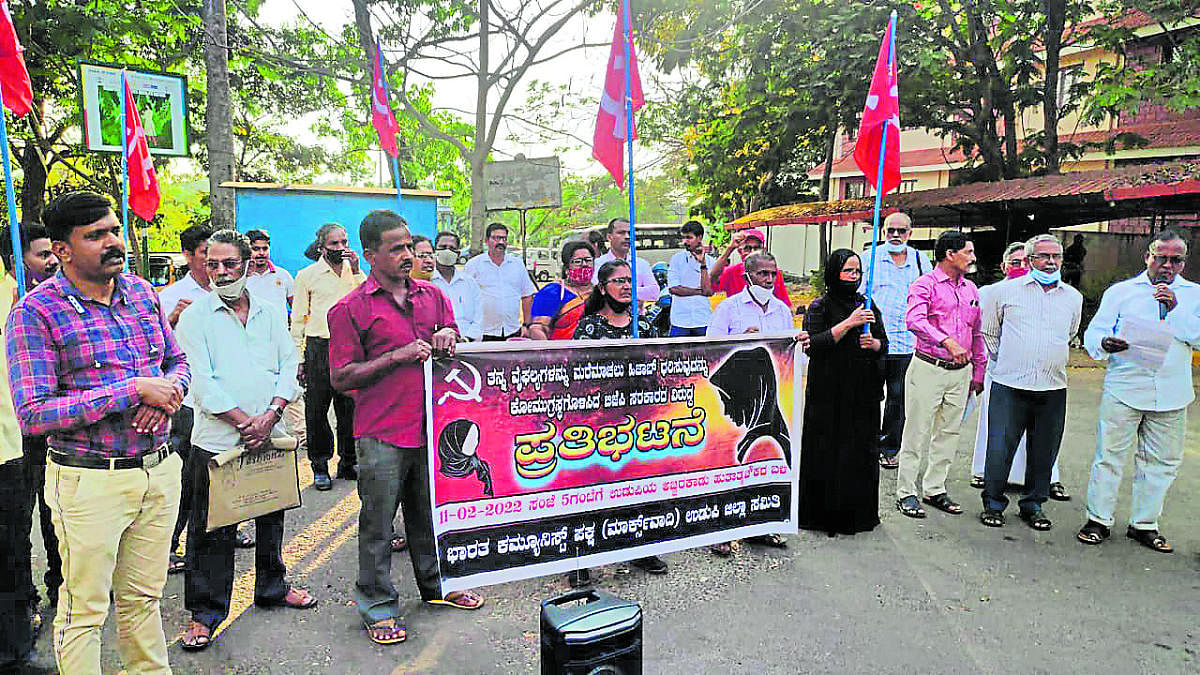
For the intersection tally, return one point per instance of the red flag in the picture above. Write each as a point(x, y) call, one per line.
point(14, 78)
point(882, 108)
point(608, 141)
point(143, 182)
point(381, 111)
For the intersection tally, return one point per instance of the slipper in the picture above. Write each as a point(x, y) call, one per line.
point(992, 518)
point(909, 507)
point(1151, 539)
point(1036, 519)
point(772, 540)
point(386, 631)
point(723, 550)
point(399, 543)
point(977, 482)
point(886, 462)
point(176, 564)
point(460, 600)
point(245, 539)
point(198, 637)
point(943, 502)
point(1058, 492)
point(296, 598)
point(1092, 533)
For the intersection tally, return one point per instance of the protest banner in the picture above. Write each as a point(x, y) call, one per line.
point(552, 456)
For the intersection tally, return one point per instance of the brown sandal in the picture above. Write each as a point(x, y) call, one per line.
point(460, 600)
point(386, 631)
point(198, 637)
point(1151, 539)
point(399, 543)
point(296, 598)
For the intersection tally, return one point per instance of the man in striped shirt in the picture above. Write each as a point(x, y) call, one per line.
point(94, 367)
point(1027, 324)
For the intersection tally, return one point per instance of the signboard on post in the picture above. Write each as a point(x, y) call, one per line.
point(161, 100)
point(522, 184)
point(571, 454)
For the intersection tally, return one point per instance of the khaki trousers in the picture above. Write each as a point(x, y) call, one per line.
point(934, 401)
point(114, 534)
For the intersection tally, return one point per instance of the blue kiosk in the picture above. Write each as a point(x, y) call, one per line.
point(292, 213)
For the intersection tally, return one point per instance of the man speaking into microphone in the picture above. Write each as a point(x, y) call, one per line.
point(1140, 407)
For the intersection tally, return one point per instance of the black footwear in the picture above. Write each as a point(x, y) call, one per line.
point(650, 564)
point(909, 507)
point(1092, 533)
point(943, 503)
point(771, 540)
point(992, 518)
point(1058, 492)
point(977, 482)
point(1036, 519)
point(1151, 539)
point(347, 473)
point(322, 481)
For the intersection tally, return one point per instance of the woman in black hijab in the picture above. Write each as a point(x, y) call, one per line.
point(839, 460)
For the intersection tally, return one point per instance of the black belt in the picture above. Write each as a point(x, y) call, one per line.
point(146, 461)
point(940, 363)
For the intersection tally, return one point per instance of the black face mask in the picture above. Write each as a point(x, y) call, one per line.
point(335, 257)
point(615, 305)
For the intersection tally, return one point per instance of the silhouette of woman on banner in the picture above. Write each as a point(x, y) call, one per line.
point(746, 383)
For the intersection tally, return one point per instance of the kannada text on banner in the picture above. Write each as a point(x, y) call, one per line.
point(552, 456)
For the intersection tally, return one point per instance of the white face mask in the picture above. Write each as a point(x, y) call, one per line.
point(445, 257)
point(232, 290)
point(757, 293)
point(894, 248)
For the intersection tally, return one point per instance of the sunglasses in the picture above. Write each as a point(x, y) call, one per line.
point(895, 230)
point(1174, 260)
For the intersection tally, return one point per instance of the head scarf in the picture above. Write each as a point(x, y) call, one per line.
point(749, 394)
point(840, 296)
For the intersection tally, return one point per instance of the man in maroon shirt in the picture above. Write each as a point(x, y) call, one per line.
point(379, 336)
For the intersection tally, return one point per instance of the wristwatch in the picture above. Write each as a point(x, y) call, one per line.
point(278, 410)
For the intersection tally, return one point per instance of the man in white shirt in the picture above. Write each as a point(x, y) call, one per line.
point(618, 249)
point(897, 265)
point(271, 283)
point(464, 294)
point(507, 290)
point(243, 373)
point(1142, 409)
point(1027, 325)
point(754, 309)
point(689, 284)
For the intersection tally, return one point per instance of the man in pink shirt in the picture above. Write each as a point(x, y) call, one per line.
point(731, 279)
point(380, 334)
point(948, 365)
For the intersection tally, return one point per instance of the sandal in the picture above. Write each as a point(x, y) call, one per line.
point(245, 539)
point(909, 507)
point(1058, 492)
point(943, 502)
point(386, 631)
point(772, 540)
point(977, 482)
point(296, 598)
point(198, 637)
point(1092, 533)
point(886, 462)
point(1036, 519)
point(399, 543)
point(722, 550)
point(176, 564)
point(992, 518)
point(1151, 539)
point(460, 600)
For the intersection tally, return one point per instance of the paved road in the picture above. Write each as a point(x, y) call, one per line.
point(943, 595)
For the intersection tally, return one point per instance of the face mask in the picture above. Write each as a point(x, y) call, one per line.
point(615, 305)
point(232, 290)
point(1047, 278)
point(445, 257)
point(759, 294)
point(334, 257)
point(579, 276)
point(1017, 272)
point(894, 248)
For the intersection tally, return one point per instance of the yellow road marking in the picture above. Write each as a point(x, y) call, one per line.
point(426, 660)
point(327, 552)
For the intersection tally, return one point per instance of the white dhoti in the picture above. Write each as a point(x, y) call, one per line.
point(1017, 475)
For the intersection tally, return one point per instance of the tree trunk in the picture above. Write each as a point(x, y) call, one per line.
point(823, 227)
point(1056, 18)
point(33, 183)
point(479, 156)
point(218, 115)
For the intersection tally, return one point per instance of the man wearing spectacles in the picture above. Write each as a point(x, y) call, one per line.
point(1027, 325)
point(896, 267)
point(465, 295)
point(1142, 408)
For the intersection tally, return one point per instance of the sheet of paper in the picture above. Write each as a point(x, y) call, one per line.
point(1148, 341)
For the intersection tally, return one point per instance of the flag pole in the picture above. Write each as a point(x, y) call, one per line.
point(387, 92)
point(879, 176)
point(124, 170)
point(14, 230)
point(629, 141)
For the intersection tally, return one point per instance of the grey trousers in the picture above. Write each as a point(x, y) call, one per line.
point(391, 477)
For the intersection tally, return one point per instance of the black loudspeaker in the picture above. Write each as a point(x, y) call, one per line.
point(589, 632)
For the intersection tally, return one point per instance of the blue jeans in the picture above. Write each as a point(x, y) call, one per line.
point(680, 331)
point(1040, 416)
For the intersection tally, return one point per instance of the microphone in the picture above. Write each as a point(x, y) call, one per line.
point(1162, 304)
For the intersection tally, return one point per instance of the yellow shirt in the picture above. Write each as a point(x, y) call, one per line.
point(317, 290)
point(10, 432)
